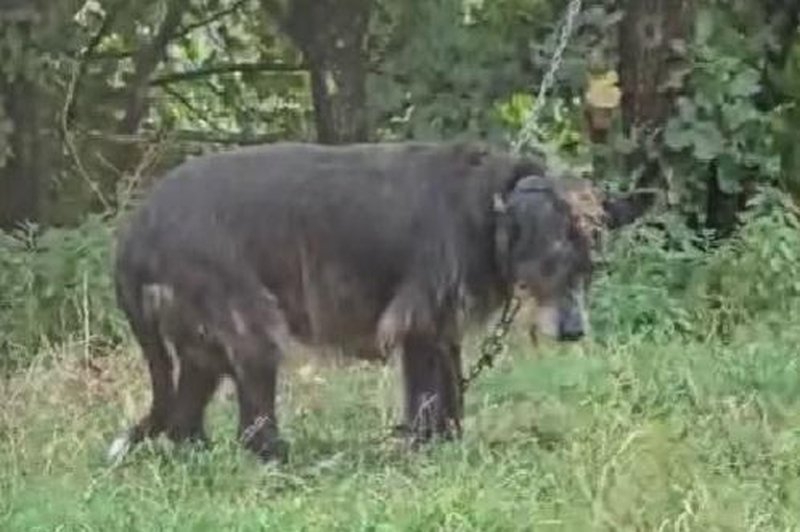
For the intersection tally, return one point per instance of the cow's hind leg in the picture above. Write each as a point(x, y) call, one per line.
point(432, 406)
point(196, 387)
point(155, 421)
point(253, 346)
point(160, 369)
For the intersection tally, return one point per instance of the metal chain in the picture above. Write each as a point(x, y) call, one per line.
point(494, 343)
point(528, 131)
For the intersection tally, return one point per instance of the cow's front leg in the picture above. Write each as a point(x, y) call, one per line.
point(432, 397)
point(450, 380)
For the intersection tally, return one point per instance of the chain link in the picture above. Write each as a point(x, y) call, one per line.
point(493, 343)
point(528, 131)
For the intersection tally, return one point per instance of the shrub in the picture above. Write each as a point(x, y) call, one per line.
point(55, 287)
point(667, 281)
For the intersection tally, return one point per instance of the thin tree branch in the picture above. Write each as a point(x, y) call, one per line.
point(187, 135)
point(111, 54)
point(69, 142)
point(91, 46)
point(204, 72)
point(149, 159)
point(182, 32)
point(146, 61)
point(184, 101)
point(210, 19)
point(197, 113)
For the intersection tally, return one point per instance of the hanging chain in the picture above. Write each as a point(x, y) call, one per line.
point(528, 131)
point(494, 343)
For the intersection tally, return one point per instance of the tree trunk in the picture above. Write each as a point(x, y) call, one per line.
point(331, 34)
point(20, 174)
point(647, 32)
point(647, 57)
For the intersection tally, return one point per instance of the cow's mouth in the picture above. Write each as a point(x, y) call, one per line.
point(566, 325)
point(538, 339)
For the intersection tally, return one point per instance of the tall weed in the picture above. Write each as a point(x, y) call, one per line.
point(667, 281)
point(55, 287)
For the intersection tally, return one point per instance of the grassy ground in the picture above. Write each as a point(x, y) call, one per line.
point(642, 436)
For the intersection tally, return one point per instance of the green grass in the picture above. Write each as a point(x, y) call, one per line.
point(670, 435)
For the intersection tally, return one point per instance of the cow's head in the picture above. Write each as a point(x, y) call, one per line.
point(546, 228)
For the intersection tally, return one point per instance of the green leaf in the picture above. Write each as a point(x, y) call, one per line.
point(708, 141)
point(704, 25)
point(729, 175)
point(745, 83)
point(687, 109)
point(676, 136)
point(737, 114)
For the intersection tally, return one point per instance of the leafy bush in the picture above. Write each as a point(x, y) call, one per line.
point(758, 272)
point(55, 287)
point(648, 273)
point(666, 281)
point(724, 128)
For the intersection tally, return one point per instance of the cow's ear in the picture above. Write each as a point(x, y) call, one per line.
point(523, 167)
point(624, 209)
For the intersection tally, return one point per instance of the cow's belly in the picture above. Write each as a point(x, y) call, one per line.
point(334, 310)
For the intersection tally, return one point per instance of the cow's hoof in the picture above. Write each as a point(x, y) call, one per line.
point(119, 448)
point(400, 430)
point(190, 438)
point(196, 444)
point(410, 437)
point(419, 439)
point(274, 451)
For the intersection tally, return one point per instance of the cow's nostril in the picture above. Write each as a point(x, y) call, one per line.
point(571, 325)
point(570, 336)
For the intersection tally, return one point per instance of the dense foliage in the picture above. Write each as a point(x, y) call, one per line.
point(121, 90)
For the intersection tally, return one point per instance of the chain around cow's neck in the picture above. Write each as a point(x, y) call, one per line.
point(493, 344)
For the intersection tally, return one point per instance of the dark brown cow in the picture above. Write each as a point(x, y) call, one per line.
point(376, 248)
